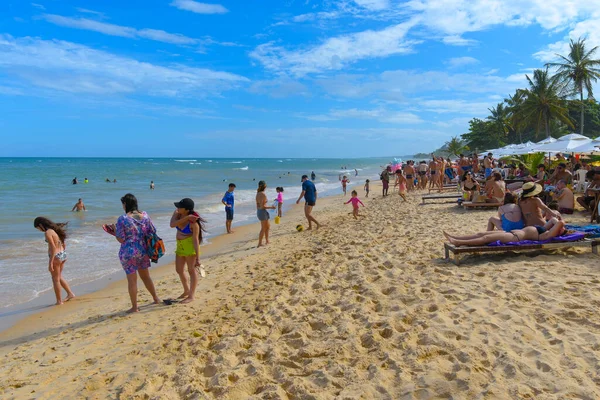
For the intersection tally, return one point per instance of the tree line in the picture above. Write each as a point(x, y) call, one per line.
point(552, 105)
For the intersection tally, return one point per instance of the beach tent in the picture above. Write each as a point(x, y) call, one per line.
point(564, 144)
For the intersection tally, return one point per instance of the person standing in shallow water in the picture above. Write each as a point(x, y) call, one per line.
point(56, 235)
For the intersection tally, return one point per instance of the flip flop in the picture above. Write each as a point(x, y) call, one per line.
point(168, 302)
point(108, 229)
point(200, 269)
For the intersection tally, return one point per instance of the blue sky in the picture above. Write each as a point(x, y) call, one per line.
point(287, 78)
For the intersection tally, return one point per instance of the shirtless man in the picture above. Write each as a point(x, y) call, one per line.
point(475, 163)
point(464, 165)
point(79, 206)
point(433, 171)
point(565, 198)
point(533, 208)
point(409, 172)
point(561, 173)
point(488, 163)
point(422, 170)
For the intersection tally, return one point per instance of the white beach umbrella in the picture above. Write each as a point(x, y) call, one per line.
point(546, 141)
point(592, 147)
point(564, 144)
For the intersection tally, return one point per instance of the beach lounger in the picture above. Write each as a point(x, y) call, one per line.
point(458, 251)
point(445, 188)
point(454, 196)
point(470, 204)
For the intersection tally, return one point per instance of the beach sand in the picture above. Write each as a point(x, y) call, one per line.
point(361, 309)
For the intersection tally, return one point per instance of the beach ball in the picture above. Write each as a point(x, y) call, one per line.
point(299, 228)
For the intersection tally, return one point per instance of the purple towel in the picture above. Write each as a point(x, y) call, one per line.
point(573, 237)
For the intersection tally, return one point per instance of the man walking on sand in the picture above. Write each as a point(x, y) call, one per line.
point(309, 192)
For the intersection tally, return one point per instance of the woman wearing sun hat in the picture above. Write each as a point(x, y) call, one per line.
point(533, 208)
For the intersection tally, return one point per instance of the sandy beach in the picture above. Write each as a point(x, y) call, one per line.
point(363, 309)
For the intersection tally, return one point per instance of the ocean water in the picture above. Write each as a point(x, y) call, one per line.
point(31, 187)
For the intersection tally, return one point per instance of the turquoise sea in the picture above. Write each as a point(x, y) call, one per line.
point(31, 187)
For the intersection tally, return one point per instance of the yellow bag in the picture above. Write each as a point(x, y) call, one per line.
point(277, 220)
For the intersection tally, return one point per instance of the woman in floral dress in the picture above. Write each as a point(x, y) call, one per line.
point(131, 231)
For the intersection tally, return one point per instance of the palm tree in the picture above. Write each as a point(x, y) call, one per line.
point(577, 71)
point(543, 103)
point(455, 146)
point(499, 118)
point(530, 161)
point(514, 103)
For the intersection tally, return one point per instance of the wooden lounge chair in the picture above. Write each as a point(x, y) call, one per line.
point(445, 188)
point(454, 196)
point(458, 250)
point(470, 204)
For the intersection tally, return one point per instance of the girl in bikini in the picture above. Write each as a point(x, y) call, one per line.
point(55, 234)
point(189, 227)
point(553, 228)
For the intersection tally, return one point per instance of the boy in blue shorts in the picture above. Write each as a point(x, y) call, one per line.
point(228, 200)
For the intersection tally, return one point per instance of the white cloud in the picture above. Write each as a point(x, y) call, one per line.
point(587, 29)
point(118, 30)
point(280, 87)
point(73, 68)
point(458, 62)
point(401, 85)
point(455, 17)
point(375, 5)
point(472, 108)
point(38, 6)
point(337, 52)
point(88, 11)
point(380, 114)
point(199, 8)
point(456, 40)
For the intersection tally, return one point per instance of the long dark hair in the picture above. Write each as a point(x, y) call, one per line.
point(59, 227)
point(261, 186)
point(201, 221)
point(130, 202)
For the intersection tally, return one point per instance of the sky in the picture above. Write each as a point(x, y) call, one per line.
point(269, 78)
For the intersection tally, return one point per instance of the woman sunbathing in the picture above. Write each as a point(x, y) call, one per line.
point(553, 228)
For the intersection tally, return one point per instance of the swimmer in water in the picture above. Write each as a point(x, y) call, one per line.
point(79, 206)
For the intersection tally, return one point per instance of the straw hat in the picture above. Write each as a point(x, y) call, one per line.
point(531, 189)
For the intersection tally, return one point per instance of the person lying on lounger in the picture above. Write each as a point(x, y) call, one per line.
point(553, 228)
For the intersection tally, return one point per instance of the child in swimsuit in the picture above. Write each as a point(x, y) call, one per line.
point(279, 200)
point(367, 187)
point(345, 181)
point(355, 202)
point(401, 182)
point(55, 234)
point(189, 227)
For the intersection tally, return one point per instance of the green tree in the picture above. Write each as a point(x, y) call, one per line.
point(543, 103)
point(482, 136)
point(591, 116)
point(530, 161)
point(514, 103)
point(455, 146)
point(577, 71)
point(499, 117)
